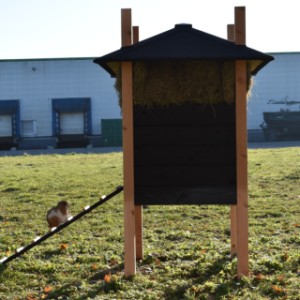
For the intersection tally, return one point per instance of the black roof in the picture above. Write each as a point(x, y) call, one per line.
point(183, 42)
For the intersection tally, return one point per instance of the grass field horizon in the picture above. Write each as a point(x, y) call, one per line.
point(187, 248)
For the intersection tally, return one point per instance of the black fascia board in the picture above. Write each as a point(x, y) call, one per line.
point(183, 43)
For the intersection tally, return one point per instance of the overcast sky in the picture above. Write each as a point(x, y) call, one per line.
point(91, 28)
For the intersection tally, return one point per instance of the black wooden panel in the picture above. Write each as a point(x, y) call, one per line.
point(190, 114)
point(185, 195)
point(184, 175)
point(180, 151)
point(187, 135)
point(195, 155)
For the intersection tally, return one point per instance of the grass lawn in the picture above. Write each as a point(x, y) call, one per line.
point(186, 247)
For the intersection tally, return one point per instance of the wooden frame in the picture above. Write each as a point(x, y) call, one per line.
point(127, 110)
point(239, 212)
point(138, 208)
point(233, 208)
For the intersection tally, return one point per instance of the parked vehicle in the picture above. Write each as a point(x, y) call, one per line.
point(283, 124)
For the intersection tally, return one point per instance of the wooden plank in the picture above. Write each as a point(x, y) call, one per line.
point(139, 231)
point(241, 146)
point(230, 32)
point(185, 155)
point(233, 208)
point(187, 135)
point(185, 175)
point(181, 195)
point(240, 25)
point(189, 114)
point(136, 34)
point(126, 27)
point(242, 167)
point(138, 208)
point(129, 209)
point(128, 156)
point(233, 229)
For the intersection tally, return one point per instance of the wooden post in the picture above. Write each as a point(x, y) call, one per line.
point(241, 147)
point(138, 208)
point(127, 110)
point(230, 32)
point(126, 27)
point(136, 35)
point(233, 208)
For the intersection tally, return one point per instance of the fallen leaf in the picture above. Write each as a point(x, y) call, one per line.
point(259, 277)
point(277, 289)
point(107, 278)
point(47, 289)
point(94, 267)
point(194, 289)
point(64, 246)
point(280, 278)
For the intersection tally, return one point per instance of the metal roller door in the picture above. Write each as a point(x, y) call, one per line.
point(72, 123)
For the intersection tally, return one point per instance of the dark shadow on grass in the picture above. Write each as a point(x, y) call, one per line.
point(51, 253)
point(203, 275)
point(2, 268)
point(66, 291)
point(100, 275)
point(62, 293)
point(100, 285)
point(200, 276)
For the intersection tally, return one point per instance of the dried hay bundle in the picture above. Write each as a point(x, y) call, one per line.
point(163, 83)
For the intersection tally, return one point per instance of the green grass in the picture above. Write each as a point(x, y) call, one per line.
point(186, 247)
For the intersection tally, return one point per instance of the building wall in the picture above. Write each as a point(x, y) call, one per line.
point(36, 82)
point(277, 80)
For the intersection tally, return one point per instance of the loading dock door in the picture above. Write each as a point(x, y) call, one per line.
point(72, 123)
point(6, 126)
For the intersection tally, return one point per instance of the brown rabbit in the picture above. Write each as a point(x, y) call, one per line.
point(58, 214)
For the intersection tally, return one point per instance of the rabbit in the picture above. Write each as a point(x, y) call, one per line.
point(58, 214)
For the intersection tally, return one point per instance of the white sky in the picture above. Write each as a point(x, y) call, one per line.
point(91, 28)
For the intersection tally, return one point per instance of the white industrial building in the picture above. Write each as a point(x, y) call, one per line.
point(54, 102)
point(47, 103)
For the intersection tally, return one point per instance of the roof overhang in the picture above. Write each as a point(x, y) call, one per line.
point(183, 42)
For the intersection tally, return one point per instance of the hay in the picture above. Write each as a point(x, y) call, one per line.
point(164, 83)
